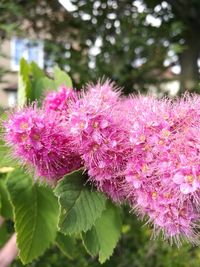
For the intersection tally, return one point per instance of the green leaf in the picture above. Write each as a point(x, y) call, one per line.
point(62, 78)
point(37, 75)
point(6, 208)
point(80, 207)
point(35, 215)
point(40, 83)
point(48, 84)
point(104, 235)
point(36, 71)
point(24, 85)
point(34, 89)
point(91, 241)
point(66, 244)
point(5, 156)
point(4, 234)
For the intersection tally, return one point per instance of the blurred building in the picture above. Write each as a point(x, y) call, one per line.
point(33, 50)
point(11, 52)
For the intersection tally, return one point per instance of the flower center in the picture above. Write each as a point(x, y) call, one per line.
point(95, 124)
point(82, 125)
point(165, 133)
point(23, 137)
point(142, 138)
point(154, 195)
point(95, 147)
point(161, 142)
point(36, 137)
point(189, 179)
point(145, 168)
point(24, 125)
point(167, 195)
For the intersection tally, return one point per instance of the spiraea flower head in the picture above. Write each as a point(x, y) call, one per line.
point(162, 177)
point(139, 149)
point(40, 141)
point(99, 131)
point(59, 100)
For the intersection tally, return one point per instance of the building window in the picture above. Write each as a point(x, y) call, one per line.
point(12, 99)
point(31, 50)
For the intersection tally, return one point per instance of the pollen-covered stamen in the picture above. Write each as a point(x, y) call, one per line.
point(167, 195)
point(36, 137)
point(95, 147)
point(182, 212)
point(137, 176)
point(142, 138)
point(95, 124)
point(166, 117)
point(154, 195)
point(24, 125)
point(147, 147)
point(145, 168)
point(161, 142)
point(189, 179)
point(165, 133)
point(24, 137)
point(82, 125)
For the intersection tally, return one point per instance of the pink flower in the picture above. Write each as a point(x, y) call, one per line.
point(188, 181)
point(139, 149)
point(40, 140)
point(99, 131)
point(60, 100)
point(161, 176)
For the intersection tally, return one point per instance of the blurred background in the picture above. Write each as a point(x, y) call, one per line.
point(146, 46)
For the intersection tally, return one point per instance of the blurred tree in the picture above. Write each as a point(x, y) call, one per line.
point(188, 13)
point(185, 23)
point(132, 41)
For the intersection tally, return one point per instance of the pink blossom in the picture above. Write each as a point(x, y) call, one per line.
point(59, 100)
point(188, 181)
point(162, 174)
point(40, 141)
point(139, 149)
point(95, 122)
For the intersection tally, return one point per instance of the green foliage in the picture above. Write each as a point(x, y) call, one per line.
point(61, 78)
point(135, 249)
point(80, 206)
point(36, 71)
point(125, 38)
point(24, 86)
point(38, 211)
point(35, 215)
point(6, 208)
point(6, 160)
point(66, 244)
point(33, 82)
point(57, 220)
point(104, 235)
point(37, 87)
point(5, 157)
point(4, 235)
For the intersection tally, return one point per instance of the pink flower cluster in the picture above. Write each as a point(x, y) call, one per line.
point(40, 140)
point(136, 149)
point(59, 101)
point(162, 177)
point(96, 124)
